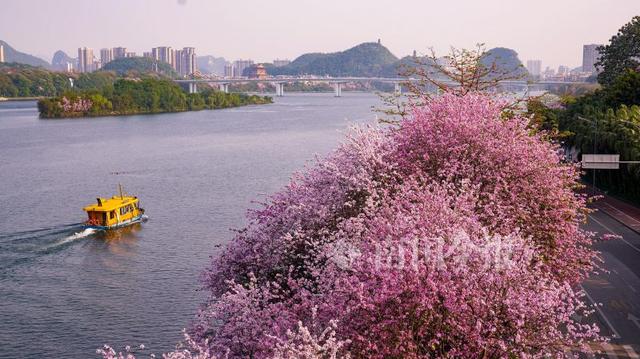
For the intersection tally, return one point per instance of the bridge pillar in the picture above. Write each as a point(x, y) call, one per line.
point(279, 89)
point(397, 89)
point(193, 87)
point(224, 87)
point(337, 89)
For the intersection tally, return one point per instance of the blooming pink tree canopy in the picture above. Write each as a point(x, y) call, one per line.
point(453, 234)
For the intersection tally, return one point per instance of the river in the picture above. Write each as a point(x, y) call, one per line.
point(63, 294)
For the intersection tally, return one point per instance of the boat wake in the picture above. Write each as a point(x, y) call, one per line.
point(68, 239)
point(24, 246)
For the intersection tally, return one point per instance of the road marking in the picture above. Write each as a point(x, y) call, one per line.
point(624, 213)
point(634, 319)
point(613, 232)
point(630, 352)
point(616, 335)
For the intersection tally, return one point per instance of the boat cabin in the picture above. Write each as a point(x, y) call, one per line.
point(113, 212)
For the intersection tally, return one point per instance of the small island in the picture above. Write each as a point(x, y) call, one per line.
point(141, 96)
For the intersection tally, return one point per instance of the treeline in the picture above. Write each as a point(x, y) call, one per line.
point(18, 80)
point(126, 97)
point(606, 121)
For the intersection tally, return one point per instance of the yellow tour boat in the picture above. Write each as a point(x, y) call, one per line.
point(117, 211)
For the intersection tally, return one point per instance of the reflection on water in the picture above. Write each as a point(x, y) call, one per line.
point(65, 291)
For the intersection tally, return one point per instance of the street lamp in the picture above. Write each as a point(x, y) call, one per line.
point(595, 139)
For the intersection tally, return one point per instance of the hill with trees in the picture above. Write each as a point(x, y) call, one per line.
point(13, 55)
point(136, 66)
point(61, 59)
point(373, 59)
point(19, 80)
point(506, 62)
point(367, 59)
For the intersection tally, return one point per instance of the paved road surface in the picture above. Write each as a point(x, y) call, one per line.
point(617, 290)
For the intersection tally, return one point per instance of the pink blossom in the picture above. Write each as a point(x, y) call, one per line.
point(455, 234)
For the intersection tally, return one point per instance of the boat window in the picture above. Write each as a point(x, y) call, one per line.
point(112, 214)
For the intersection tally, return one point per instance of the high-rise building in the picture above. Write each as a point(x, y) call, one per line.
point(85, 59)
point(278, 62)
point(229, 70)
point(119, 52)
point(177, 61)
point(148, 54)
point(184, 61)
point(189, 61)
point(590, 55)
point(534, 67)
point(130, 54)
point(1, 53)
point(106, 56)
point(240, 65)
point(164, 54)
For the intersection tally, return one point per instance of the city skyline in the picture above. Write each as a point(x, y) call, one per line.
point(552, 32)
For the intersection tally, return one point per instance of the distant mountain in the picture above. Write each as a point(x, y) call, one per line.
point(61, 59)
point(507, 62)
point(398, 68)
point(211, 65)
point(13, 55)
point(367, 59)
point(139, 66)
point(373, 59)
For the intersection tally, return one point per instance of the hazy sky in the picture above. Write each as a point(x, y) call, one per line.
point(551, 30)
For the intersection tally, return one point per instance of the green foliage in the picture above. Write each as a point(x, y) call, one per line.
point(139, 96)
point(94, 80)
point(621, 54)
point(99, 104)
point(17, 80)
point(195, 101)
point(136, 66)
point(50, 108)
point(605, 121)
point(543, 118)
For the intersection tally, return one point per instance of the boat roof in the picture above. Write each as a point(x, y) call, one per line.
point(109, 204)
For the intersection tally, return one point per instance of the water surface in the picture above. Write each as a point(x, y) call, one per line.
point(64, 293)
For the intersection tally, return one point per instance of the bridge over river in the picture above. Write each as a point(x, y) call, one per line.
point(338, 83)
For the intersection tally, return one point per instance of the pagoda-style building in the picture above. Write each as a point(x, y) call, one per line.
point(257, 72)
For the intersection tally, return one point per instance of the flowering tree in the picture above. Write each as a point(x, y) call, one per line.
point(460, 72)
point(453, 234)
point(77, 104)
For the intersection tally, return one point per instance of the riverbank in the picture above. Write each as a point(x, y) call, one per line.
point(137, 97)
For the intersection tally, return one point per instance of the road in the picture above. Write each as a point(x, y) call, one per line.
point(616, 290)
